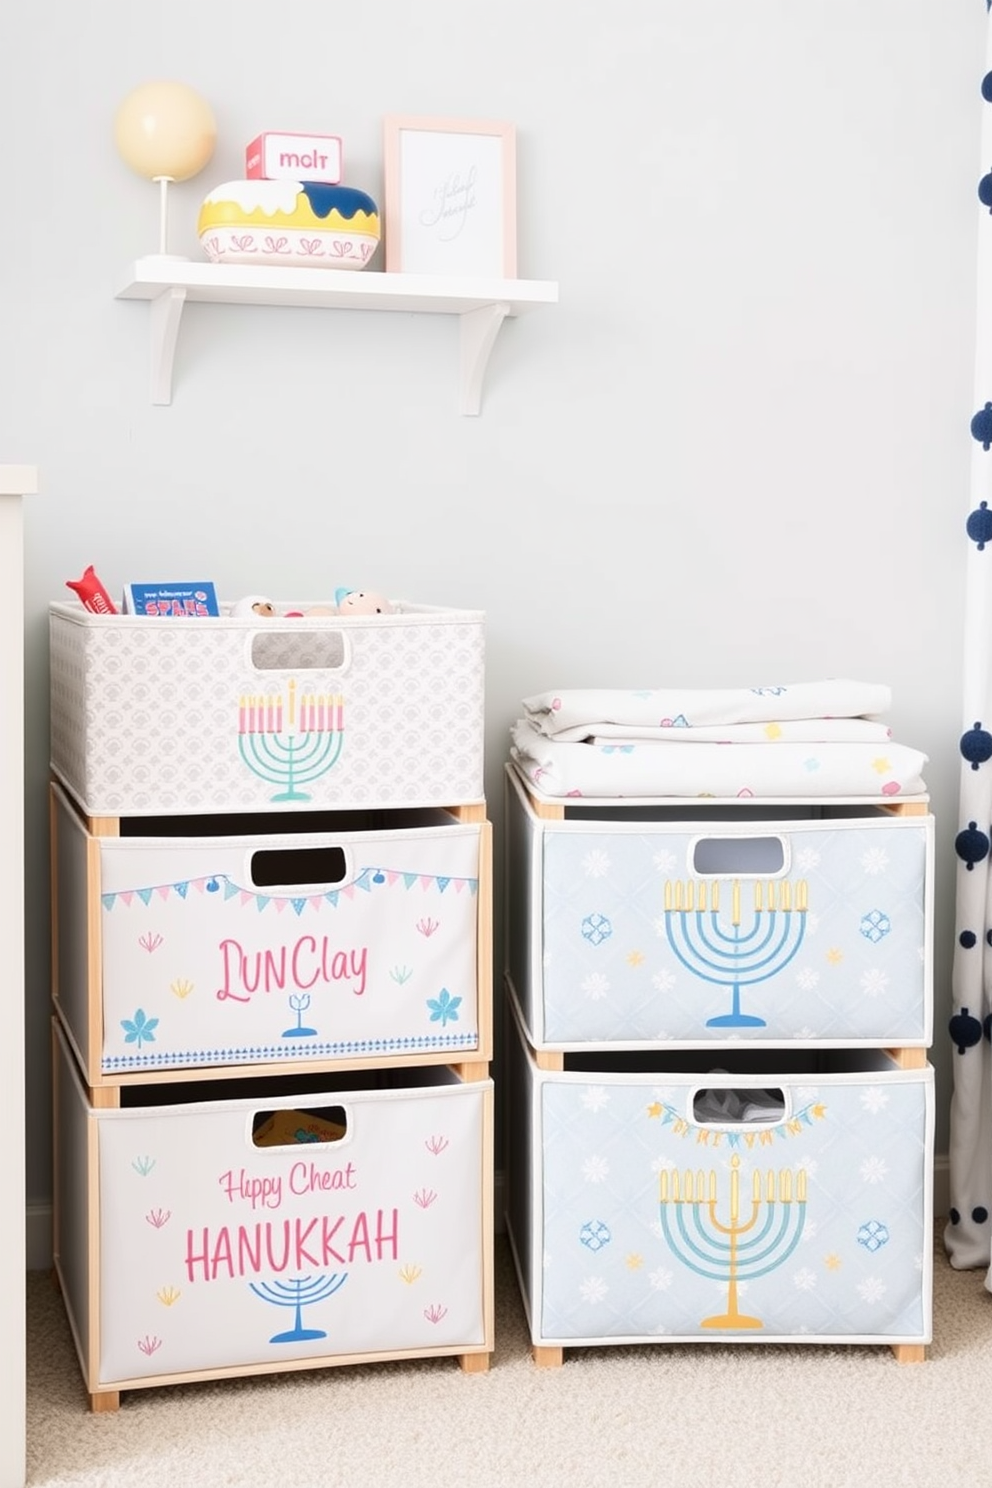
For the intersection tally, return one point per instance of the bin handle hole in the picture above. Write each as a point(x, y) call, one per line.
point(737, 857)
point(276, 649)
point(726, 1106)
point(294, 867)
point(299, 1127)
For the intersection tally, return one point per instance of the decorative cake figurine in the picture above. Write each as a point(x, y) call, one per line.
point(294, 223)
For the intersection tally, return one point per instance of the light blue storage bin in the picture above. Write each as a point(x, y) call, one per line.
point(697, 924)
point(786, 1197)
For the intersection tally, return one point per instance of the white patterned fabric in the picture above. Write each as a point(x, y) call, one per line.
point(795, 730)
point(697, 707)
point(967, 1236)
point(773, 771)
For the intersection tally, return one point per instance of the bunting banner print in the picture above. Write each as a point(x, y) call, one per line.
point(740, 1136)
point(368, 881)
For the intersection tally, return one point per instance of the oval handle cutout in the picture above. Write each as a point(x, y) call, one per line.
point(725, 1106)
point(738, 857)
point(289, 866)
point(293, 1128)
point(279, 650)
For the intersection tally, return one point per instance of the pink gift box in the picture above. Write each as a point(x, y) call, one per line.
point(294, 157)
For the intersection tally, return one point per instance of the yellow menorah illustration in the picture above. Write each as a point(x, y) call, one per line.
point(704, 894)
point(733, 945)
point(725, 1249)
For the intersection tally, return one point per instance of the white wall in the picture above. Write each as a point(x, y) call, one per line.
point(737, 452)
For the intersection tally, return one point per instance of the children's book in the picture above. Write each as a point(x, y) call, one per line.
point(171, 599)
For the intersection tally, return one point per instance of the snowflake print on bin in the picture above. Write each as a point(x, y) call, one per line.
point(663, 981)
point(595, 1169)
point(596, 863)
point(594, 1234)
point(443, 1007)
point(872, 1289)
point(874, 982)
point(593, 1289)
point(874, 1170)
point(596, 987)
point(874, 1099)
point(596, 928)
point(804, 1279)
point(139, 1028)
point(875, 861)
point(664, 862)
point(595, 1097)
point(875, 926)
point(807, 861)
point(810, 1167)
point(873, 1235)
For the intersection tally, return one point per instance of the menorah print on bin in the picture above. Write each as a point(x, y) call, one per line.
point(290, 740)
point(732, 1248)
point(296, 1293)
point(723, 949)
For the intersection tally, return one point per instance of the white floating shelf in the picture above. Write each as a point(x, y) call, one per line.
point(480, 304)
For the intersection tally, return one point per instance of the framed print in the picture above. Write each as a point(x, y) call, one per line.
point(450, 197)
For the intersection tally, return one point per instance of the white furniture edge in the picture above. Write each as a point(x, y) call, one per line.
point(480, 304)
point(16, 481)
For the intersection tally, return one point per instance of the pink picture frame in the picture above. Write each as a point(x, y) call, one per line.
point(450, 190)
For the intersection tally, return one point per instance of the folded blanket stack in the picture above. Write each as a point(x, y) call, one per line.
point(825, 739)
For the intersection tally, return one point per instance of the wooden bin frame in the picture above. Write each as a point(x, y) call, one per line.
point(472, 1358)
point(553, 1356)
point(474, 1065)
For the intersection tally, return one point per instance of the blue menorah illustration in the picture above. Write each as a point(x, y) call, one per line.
point(729, 953)
point(725, 1249)
point(298, 1292)
point(299, 1002)
point(290, 741)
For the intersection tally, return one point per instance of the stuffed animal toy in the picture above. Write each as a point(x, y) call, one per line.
point(362, 602)
point(254, 604)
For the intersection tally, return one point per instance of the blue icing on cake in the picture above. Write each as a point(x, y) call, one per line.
point(347, 200)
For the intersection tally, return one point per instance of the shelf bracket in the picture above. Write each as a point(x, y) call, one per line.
point(478, 332)
point(166, 312)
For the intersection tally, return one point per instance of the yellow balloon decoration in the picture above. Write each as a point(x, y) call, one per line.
point(166, 132)
point(165, 129)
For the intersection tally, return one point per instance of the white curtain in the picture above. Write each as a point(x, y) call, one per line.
point(968, 1236)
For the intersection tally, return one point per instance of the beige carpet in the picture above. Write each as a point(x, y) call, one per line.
point(689, 1416)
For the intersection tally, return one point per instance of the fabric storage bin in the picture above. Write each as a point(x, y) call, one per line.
point(660, 925)
point(784, 1197)
point(185, 1250)
point(360, 937)
point(221, 713)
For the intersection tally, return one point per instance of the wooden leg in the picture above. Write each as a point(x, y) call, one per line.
point(548, 1358)
point(474, 1363)
point(105, 1400)
point(909, 1353)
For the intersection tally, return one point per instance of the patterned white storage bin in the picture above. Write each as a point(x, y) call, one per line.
point(360, 938)
point(153, 716)
point(187, 1251)
point(688, 925)
point(640, 1210)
